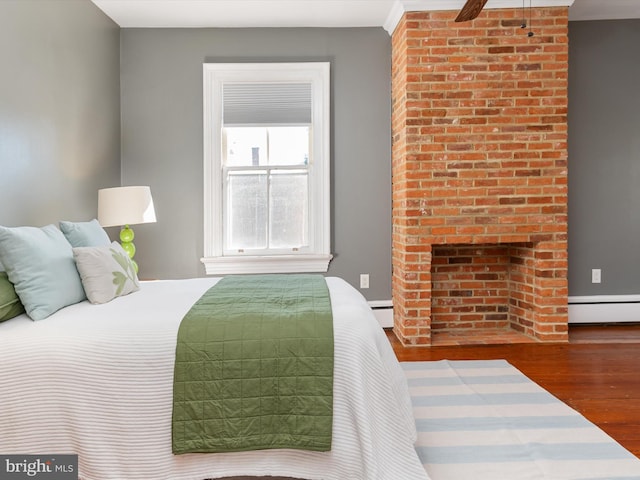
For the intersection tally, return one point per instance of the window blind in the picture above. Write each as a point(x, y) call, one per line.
point(266, 103)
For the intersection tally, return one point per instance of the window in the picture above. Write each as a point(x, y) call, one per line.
point(266, 168)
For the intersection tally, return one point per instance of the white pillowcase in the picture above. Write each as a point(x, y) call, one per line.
point(107, 272)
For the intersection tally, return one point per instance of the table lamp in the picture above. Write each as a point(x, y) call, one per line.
point(124, 206)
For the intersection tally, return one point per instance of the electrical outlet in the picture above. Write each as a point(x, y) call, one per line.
point(364, 280)
point(596, 275)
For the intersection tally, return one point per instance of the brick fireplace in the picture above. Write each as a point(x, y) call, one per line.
point(480, 175)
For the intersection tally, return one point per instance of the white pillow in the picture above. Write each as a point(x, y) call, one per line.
point(107, 272)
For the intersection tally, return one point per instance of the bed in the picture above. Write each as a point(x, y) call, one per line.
point(96, 380)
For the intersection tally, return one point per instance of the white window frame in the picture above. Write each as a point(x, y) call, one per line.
point(318, 256)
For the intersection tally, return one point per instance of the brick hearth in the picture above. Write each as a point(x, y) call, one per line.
point(480, 175)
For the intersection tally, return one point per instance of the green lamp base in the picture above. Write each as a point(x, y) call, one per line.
point(126, 240)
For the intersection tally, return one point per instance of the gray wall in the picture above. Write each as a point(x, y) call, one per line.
point(161, 80)
point(604, 156)
point(60, 133)
point(59, 110)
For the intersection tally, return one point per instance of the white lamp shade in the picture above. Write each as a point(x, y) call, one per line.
point(125, 206)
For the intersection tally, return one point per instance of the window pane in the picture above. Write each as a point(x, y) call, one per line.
point(246, 218)
point(255, 146)
point(245, 146)
point(288, 146)
point(289, 209)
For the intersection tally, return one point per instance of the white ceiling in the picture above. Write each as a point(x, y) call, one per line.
point(318, 13)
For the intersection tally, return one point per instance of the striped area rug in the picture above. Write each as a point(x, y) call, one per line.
point(485, 420)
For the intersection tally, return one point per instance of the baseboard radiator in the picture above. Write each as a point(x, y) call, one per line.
point(604, 309)
point(383, 310)
point(582, 309)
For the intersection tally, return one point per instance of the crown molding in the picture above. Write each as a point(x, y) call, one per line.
point(400, 7)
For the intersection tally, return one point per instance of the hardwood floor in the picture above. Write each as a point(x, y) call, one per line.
point(597, 373)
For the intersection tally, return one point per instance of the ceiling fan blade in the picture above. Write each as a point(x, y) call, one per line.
point(470, 10)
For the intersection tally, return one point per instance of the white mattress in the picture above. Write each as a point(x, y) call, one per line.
point(96, 380)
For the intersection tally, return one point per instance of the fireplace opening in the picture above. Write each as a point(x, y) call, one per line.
point(483, 289)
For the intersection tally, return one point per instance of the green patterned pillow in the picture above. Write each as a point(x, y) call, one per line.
point(106, 272)
point(10, 305)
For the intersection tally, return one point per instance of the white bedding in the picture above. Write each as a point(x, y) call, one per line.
point(96, 380)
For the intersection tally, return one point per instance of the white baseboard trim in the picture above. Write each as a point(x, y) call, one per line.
point(604, 309)
point(383, 310)
point(582, 309)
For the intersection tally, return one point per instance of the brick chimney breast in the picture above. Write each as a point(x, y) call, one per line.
point(479, 162)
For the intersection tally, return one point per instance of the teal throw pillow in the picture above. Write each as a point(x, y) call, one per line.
point(39, 263)
point(85, 234)
point(10, 305)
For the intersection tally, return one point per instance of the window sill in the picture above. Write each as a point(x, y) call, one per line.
point(266, 264)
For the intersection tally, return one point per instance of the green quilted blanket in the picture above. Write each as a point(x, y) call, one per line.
point(254, 367)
